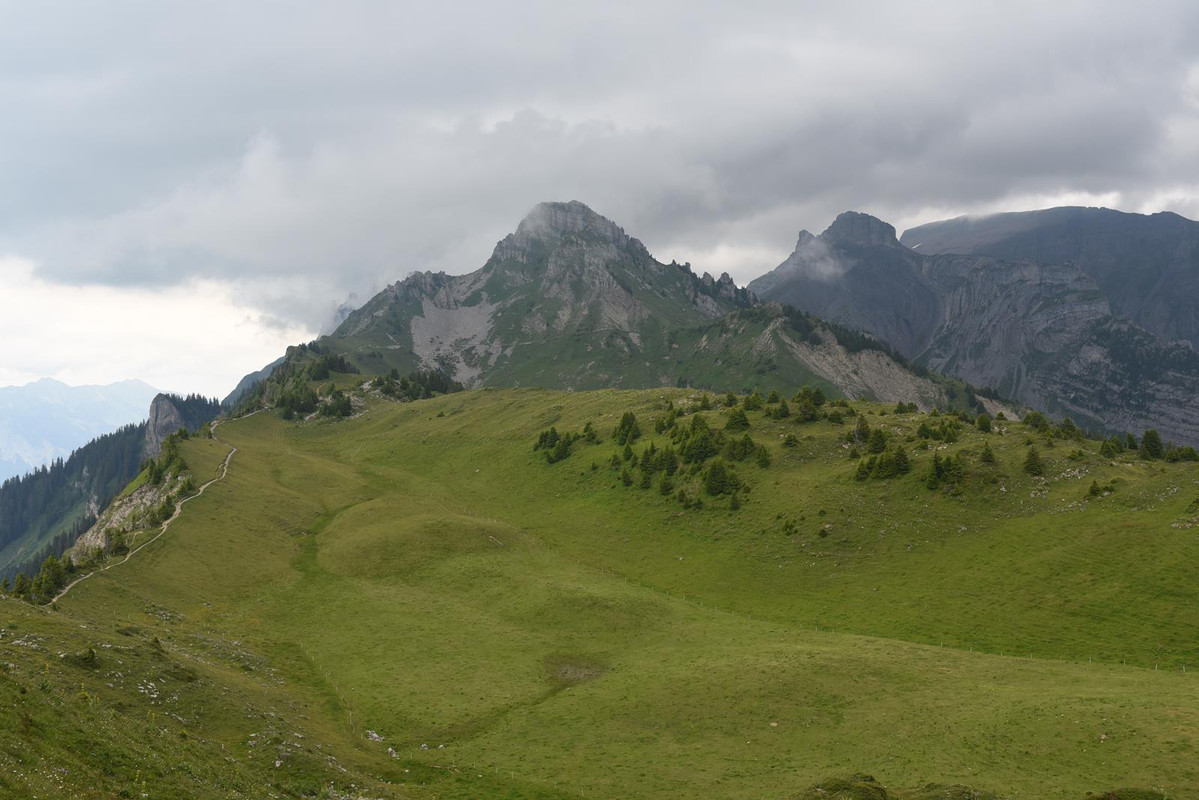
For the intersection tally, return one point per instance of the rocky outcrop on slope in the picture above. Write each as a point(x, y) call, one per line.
point(163, 420)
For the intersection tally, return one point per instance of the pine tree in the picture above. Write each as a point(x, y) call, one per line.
point(737, 420)
point(862, 431)
point(1151, 445)
point(626, 477)
point(988, 455)
point(878, 441)
point(903, 464)
point(862, 472)
point(763, 458)
point(983, 423)
point(627, 430)
point(717, 481)
point(1033, 464)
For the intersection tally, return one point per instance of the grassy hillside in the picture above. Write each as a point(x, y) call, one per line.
point(515, 628)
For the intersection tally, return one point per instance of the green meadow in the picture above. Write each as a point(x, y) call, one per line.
point(414, 603)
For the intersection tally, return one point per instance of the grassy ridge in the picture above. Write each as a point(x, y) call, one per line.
point(421, 573)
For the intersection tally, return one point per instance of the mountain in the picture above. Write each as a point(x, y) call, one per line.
point(47, 419)
point(569, 300)
point(45, 510)
point(246, 383)
point(1147, 266)
point(1043, 334)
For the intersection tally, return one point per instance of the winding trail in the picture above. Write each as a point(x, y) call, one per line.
point(172, 518)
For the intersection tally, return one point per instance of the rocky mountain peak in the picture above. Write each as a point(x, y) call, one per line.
point(555, 220)
point(805, 238)
point(854, 227)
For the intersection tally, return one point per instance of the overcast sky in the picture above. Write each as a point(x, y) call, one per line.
point(186, 188)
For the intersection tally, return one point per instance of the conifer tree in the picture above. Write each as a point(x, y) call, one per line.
point(1033, 464)
point(763, 457)
point(1151, 445)
point(737, 421)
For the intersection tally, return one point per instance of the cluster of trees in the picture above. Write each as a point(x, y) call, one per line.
point(337, 404)
point(941, 428)
point(51, 578)
point(419, 384)
point(558, 446)
point(948, 472)
point(891, 462)
point(697, 451)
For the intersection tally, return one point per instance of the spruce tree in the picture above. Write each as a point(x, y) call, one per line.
point(1033, 464)
point(737, 421)
point(862, 431)
point(1151, 445)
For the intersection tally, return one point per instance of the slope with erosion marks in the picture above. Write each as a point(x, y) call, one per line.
point(419, 578)
point(1039, 333)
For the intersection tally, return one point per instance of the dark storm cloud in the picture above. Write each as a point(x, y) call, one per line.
point(148, 143)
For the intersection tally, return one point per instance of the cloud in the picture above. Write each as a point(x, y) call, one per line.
point(193, 337)
point(323, 151)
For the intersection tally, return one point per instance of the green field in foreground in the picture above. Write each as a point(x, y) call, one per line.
point(513, 628)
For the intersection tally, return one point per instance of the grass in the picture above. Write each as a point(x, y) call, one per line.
point(517, 629)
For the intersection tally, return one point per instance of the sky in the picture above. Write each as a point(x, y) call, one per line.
point(187, 188)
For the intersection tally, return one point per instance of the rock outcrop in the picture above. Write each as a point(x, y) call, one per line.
point(163, 420)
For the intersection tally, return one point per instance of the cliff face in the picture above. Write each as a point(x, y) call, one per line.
point(1146, 265)
point(163, 420)
point(170, 412)
point(1043, 334)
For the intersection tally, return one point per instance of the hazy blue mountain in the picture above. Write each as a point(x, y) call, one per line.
point(47, 419)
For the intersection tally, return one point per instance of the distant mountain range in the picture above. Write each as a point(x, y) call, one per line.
point(1037, 326)
point(47, 419)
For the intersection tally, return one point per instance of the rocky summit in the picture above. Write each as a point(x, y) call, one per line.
point(567, 299)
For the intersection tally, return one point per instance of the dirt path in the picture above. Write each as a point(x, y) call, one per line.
point(165, 525)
